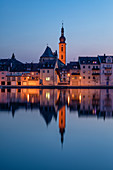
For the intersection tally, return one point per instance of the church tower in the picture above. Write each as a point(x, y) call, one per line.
point(62, 46)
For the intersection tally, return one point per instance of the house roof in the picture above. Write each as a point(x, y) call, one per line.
point(88, 60)
point(12, 63)
point(73, 65)
point(102, 59)
point(48, 64)
point(48, 53)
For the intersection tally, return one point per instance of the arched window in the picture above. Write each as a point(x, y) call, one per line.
point(61, 56)
point(61, 48)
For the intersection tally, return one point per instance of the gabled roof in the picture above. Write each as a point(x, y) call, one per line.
point(47, 53)
point(89, 60)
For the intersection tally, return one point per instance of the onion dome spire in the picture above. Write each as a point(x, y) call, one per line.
point(62, 38)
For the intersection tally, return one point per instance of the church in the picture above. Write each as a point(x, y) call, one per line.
point(53, 70)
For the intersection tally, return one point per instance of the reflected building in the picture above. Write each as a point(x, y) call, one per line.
point(53, 103)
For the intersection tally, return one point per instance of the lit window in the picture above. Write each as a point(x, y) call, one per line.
point(47, 78)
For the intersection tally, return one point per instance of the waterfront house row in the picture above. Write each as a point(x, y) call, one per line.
point(87, 71)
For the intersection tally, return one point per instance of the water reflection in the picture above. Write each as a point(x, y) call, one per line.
point(54, 103)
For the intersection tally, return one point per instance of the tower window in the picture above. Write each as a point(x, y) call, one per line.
point(61, 48)
point(61, 56)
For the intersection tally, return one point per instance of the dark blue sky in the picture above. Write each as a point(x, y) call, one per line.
point(27, 26)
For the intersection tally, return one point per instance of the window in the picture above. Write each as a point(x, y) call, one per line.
point(9, 83)
point(3, 90)
point(88, 72)
point(61, 56)
point(83, 66)
point(43, 71)
point(24, 78)
point(8, 90)
point(13, 78)
point(75, 77)
point(61, 48)
point(2, 82)
point(47, 71)
point(47, 78)
point(83, 71)
point(88, 66)
point(88, 77)
point(36, 73)
point(83, 77)
point(94, 78)
point(19, 83)
point(2, 77)
point(19, 90)
point(2, 72)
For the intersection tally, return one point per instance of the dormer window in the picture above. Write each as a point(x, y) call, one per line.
point(108, 60)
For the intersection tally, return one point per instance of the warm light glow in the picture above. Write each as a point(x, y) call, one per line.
point(73, 95)
point(47, 78)
point(68, 100)
point(80, 78)
point(68, 75)
point(48, 95)
point(27, 97)
point(80, 98)
point(28, 77)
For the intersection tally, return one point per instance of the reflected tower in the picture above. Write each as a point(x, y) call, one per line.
point(62, 123)
point(62, 46)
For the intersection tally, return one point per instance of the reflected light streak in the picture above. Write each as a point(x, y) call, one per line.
point(48, 95)
point(68, 100)
point(80, 98)
point(27, 97)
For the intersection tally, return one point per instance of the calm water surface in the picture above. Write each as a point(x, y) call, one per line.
point(56, 129)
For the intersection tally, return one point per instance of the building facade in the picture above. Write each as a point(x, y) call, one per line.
point(52, 70)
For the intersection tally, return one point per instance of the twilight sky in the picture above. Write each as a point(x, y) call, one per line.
point(27, 26)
